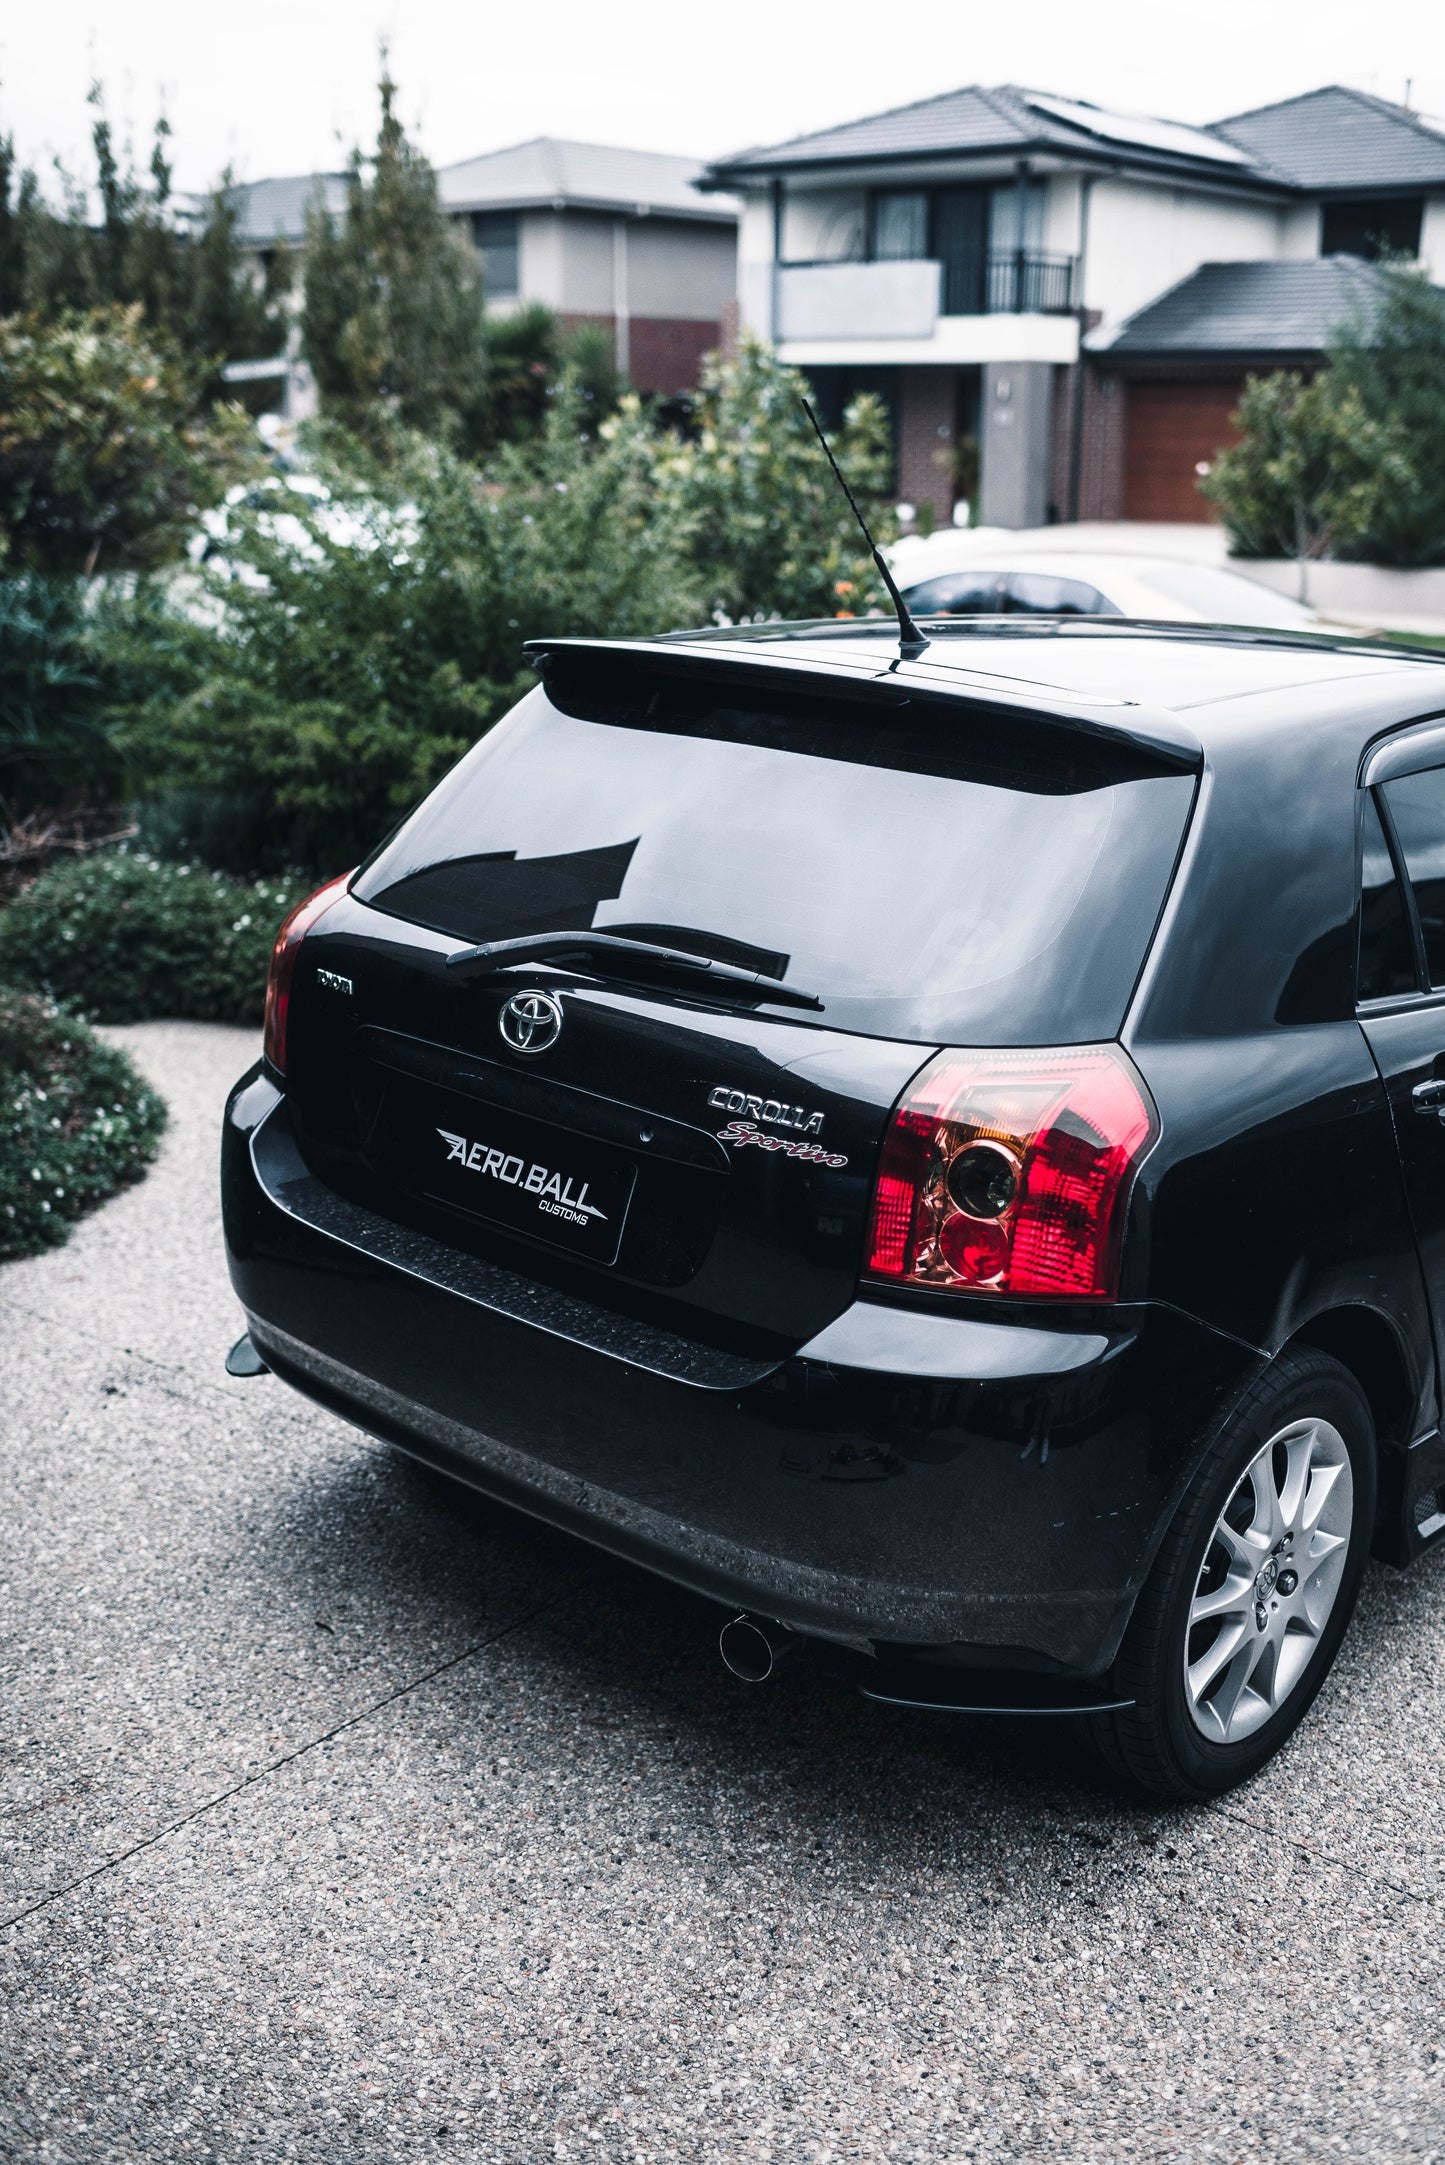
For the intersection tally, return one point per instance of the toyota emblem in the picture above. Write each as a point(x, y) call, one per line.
point(531, 1021)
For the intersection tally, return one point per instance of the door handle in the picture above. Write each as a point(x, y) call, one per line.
point(1429, 1097)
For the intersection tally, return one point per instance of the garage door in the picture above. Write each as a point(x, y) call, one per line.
point(1174, 429)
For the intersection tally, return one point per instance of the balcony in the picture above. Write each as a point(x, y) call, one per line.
point(903, 298)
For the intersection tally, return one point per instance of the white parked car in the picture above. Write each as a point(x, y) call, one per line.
point(968, 575)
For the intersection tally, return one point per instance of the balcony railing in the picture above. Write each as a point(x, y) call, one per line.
point(1017, 282)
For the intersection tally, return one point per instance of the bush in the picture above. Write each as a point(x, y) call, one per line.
point(55, 739)
point(1391, 356)
point(76, 1123)
point(770, 529)
point(104, 460)
point(1311, 470)
point(368, 643)
point(124, 938)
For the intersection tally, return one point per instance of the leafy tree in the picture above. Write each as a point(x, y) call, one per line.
point(1391, 356)
point(104, 462)
point(54, 726)
point(374, 637)
point(1313, 470)
point(521, 367)
point(392, 321)
point(190, 278)
point(772, 532)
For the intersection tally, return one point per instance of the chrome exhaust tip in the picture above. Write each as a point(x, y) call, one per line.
point(752, 1647)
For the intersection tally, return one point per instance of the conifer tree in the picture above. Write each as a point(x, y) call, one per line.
point(392, 321)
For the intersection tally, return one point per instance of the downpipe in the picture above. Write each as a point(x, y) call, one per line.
point(752, 1647)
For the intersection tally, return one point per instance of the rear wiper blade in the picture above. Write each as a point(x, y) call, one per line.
point(493, 956)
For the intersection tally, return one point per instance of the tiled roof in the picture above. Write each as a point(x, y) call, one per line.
point(547, 171)
point(1328, 139)
point(1340, 138)
point(544, 172)
point(1005, 120)
point(1249, 308)
point(272, 210)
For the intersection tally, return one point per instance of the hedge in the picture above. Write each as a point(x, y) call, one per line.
point(120, 937)
point(76, 1122)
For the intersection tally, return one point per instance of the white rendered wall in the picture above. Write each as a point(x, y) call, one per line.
point(1299, 231)
point(678, 269)
point(539, 260)
point(1143, 239)
point(588, 264)
point(1432, 239)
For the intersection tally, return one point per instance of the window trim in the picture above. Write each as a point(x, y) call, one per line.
point(1423, 986)
point(1406, 751)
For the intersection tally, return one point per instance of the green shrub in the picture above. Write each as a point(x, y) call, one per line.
point(1310, 471)
point(371, 642)
point(105, 459)
point(769, 529)
point(1391, 356)
point(124, 938)
point(54, 733)
point(76, 1122)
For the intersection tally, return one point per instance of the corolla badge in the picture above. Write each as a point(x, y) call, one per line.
point(531, 1022)
point(741, 1133)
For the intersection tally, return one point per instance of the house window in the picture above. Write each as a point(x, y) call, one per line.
point(495, 234)
point(1372, 226)
point(900, 224)
point(1016, 218)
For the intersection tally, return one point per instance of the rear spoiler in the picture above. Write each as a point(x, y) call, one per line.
point(874, 678)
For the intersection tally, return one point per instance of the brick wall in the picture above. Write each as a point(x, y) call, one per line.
point(1061, 450)
point(1101, 448)
point(668, 351)
point(925, 440)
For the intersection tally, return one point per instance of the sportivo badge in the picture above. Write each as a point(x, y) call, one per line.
point(804, 1126)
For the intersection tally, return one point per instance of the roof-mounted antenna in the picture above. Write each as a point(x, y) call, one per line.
point(911, 642)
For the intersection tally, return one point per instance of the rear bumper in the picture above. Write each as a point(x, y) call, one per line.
point(965, 1490)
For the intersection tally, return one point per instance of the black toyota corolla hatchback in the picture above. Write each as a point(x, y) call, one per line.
point(943, 1155)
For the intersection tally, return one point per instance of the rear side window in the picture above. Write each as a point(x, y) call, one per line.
point(1416, 804)
point(929, 872)
point(1387, 945)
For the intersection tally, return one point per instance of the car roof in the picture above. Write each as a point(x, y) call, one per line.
point(1175, 686)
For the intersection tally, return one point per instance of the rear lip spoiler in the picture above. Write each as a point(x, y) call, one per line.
point(1106, 719)
point(987, 1691)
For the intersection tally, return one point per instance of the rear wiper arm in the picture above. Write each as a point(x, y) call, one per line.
point(493, 956)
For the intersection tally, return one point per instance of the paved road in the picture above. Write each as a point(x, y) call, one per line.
point(346, 1820)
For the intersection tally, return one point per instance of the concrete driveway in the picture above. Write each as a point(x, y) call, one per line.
point(348, 1819)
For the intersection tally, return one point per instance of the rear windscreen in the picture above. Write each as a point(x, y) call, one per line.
point(928, 872)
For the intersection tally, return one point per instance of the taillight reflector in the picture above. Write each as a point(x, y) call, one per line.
point(1009, 1173)
point(283, 965)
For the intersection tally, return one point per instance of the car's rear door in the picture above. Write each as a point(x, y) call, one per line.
point(1402, 981)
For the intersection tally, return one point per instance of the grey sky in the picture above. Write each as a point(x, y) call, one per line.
point(282, 86)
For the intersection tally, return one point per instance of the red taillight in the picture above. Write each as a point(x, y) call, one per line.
point(1009, 1172)
point(283, 965)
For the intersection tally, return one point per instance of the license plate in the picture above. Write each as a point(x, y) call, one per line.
point(524, 1174)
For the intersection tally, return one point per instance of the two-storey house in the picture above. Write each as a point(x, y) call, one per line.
point(1060, 303)
point(621, 238)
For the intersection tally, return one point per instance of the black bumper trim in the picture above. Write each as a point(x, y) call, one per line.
point(292, 1187)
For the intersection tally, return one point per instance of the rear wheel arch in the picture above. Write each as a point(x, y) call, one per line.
point(1367, 1343)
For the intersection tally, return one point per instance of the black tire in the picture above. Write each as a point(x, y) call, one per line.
point(1158, 1745)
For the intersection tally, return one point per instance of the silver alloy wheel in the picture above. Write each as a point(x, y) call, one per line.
point(1268, 1580)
